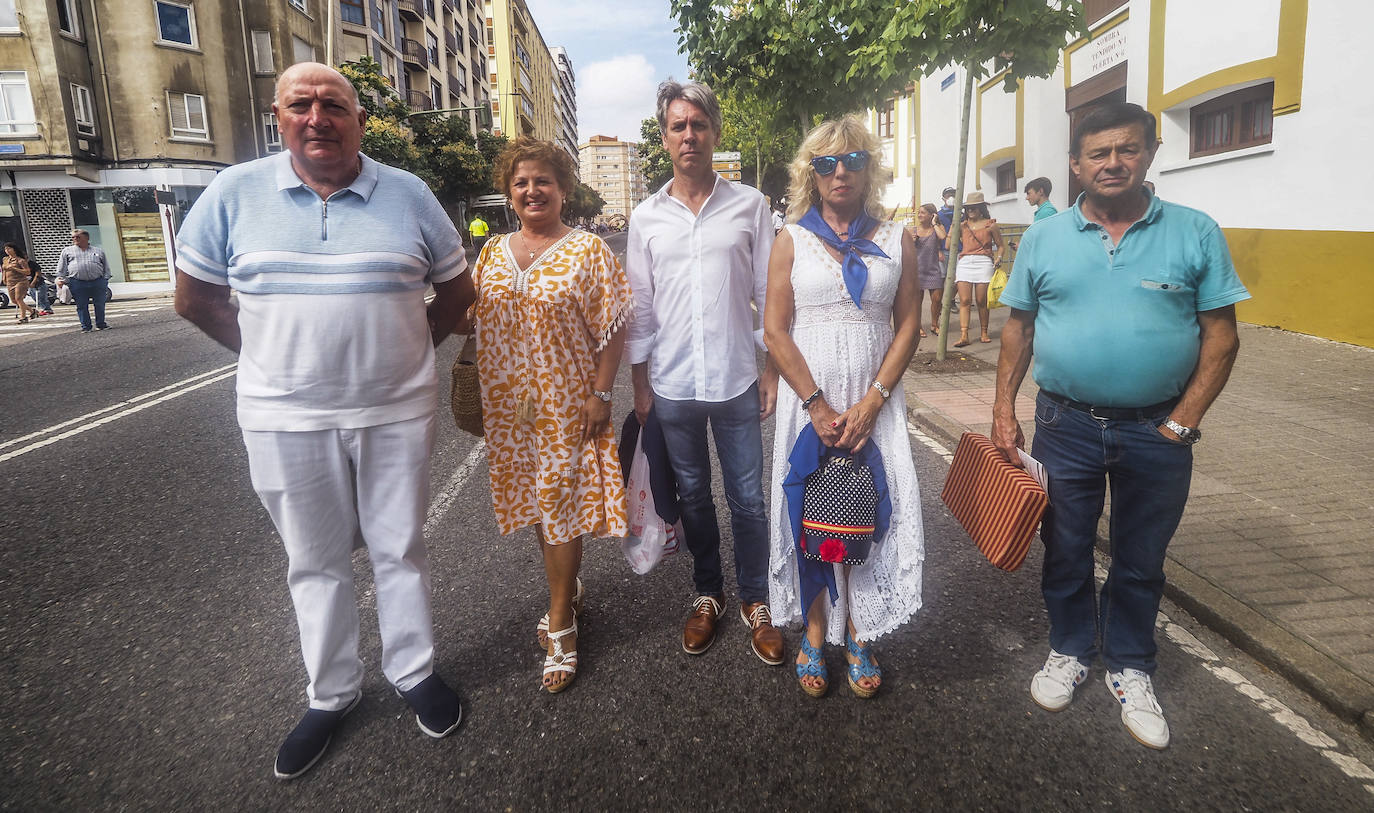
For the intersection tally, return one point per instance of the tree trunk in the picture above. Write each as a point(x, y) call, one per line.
point(942, 346)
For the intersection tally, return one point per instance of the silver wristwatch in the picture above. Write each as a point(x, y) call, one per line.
point(605, 396)
point(1187, 434)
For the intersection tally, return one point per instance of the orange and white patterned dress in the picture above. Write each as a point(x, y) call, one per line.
point(539, 333)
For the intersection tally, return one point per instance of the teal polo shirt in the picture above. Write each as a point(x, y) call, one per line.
point(1116, 325)
point(1043, 211)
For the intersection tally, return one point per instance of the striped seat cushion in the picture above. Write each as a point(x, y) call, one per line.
point(998, 504)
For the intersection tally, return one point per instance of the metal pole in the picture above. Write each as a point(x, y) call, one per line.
point(943, 344)
point(329, 32)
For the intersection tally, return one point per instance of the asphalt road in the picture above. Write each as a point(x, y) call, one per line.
point(150, 656)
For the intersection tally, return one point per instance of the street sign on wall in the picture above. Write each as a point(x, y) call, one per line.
point(730, 175)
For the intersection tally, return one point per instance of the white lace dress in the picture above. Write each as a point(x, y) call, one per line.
point(844, 347)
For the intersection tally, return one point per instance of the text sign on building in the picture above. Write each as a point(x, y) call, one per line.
point(946, 82)
point(719, 157)
point(1108, 49)
point(11, 148)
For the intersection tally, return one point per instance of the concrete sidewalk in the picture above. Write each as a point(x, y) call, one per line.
point(1275, 549)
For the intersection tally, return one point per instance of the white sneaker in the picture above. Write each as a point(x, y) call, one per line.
point(1052, 687)
point(1139, 709)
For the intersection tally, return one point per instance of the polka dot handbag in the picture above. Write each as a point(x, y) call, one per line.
point(839, 512)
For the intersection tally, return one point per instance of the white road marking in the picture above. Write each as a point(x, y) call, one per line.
point(438, 506)
point(52, 434)
point(1284, 716)
point(933, 444)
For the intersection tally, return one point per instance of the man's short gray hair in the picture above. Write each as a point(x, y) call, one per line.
point(79, 232)
point(694, 92)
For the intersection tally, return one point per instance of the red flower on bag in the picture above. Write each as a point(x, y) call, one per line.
point(832, 550)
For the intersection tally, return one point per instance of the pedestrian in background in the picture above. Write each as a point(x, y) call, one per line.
point(980, 255)
point(551, 309)
point(336, 383)
point(841, 339)
point(697, 256)
point(1127, 304)
point(84, 269)
point(929, 239)
point(478, 230)
point(18, 277)
point(1038, 196)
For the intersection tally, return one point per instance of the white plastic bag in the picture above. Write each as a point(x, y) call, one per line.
point(650, 538)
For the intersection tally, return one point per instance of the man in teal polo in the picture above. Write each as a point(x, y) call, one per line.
point(1038, 196)
point(1129, 305)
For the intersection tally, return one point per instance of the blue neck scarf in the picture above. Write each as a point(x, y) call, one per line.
point(855, 272)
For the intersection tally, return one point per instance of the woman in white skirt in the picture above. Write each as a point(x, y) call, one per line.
point(841, 323)
point(982, 252)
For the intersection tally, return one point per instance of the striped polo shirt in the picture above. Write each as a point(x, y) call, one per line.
point(330, 292)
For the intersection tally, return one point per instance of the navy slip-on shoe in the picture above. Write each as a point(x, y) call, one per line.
point(308, 741)
point(436, 706)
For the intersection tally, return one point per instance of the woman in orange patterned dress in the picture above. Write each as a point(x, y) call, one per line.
point(551, 306)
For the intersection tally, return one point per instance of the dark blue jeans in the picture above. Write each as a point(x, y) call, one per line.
point(86, 291)
point(1149, 476)
point(739, 445)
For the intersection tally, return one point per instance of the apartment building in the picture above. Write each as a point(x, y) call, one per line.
point(114, 115)
point(612, 168)
point(433, 51)
point(565, 96)
point(1251, 99)
point(524, 80)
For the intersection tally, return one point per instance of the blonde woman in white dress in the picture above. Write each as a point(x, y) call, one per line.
point(842, 322)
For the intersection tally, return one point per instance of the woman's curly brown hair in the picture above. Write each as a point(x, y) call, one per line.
point(525, 148)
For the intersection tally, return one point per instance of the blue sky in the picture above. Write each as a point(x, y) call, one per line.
point(621, 50)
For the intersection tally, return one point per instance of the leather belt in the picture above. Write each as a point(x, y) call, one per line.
point(1103, 413)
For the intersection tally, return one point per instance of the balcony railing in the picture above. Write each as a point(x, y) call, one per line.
point(451, 41)
point(413, 54)
point(418, 100)
point(455, 85)
point(411, 9)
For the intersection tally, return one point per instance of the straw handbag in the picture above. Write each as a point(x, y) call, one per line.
point(466, 395)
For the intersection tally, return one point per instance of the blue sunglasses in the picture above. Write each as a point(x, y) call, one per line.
point(854, 162)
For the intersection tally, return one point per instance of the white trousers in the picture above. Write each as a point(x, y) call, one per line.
point(326, 490)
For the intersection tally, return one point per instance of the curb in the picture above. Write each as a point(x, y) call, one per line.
point(1340, 690)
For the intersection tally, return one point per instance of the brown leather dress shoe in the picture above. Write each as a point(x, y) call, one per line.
point(700, 630)
point(767, 641)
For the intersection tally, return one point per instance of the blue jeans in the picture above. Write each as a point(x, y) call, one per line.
point(89, 290)
point(739, 445)
point(40, 294)
point(1149, 477)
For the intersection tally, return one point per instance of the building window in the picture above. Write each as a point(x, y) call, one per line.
point(1094, 10)
point(188, 116)
point(301, 51)
point(351, 11)
point(271, 135)
point(429, 8)
point(379, 18)
point(83, 110)
point(16, 104)
point(67, 18)
point(436, 93)
point(262, 52)
point(1006, 178)
point(885, 119)
point(299, 5)
point(176, 24)
point(1244, 118)
point(9, 16)
point(432, 46)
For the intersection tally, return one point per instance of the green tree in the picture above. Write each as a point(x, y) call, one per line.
point(829, 57)
point(655, 162)
point(764, 135)
point(1014, 38)
point(582, 202)
point(794, 53)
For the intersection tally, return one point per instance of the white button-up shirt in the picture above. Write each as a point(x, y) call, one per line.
point(697, 282)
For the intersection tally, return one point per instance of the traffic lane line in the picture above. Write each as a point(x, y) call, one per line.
point(53, 434)
point(1295, 723)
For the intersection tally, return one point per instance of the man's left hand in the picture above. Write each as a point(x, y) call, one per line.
point(768, 393)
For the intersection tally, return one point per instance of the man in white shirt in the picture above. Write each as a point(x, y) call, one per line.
point(697, 259)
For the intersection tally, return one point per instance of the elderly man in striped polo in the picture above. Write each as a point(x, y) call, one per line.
point(331, 254)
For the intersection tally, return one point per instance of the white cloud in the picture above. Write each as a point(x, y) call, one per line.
point(614, 96)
